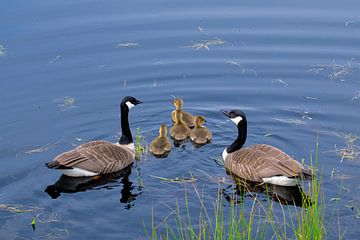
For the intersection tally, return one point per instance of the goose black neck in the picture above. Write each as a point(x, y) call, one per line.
point(241, 138)
point(126, 136)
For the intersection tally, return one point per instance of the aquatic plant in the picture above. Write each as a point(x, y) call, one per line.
point(140, 147)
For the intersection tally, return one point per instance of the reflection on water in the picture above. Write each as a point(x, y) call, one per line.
point(293, 195)
point(66, 184)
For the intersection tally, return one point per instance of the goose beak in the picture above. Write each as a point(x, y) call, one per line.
point(225, 112)
point(138, 102)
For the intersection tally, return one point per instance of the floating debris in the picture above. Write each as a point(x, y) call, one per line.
point(354, 208)
point(295, 122)
point(280, 82)
point(357, 96)
point(336, 71)
point(348, 22)
point(335, 199)
point(351, 151)
point(16, 208)
point(310, 98)
point(2, 51)
point(242, 68)
point(54, 59)
point(201, 30)
point(125, 82)
point(206, 44)
point(177, 179)
point(127, 45)
point(43, 148)
point(268, 135)
point(154, 85)
point(65, 103)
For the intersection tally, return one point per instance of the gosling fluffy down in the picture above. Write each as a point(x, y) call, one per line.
point(186, 117)
point(161, 145)
point(200, 134)
point(179, 131)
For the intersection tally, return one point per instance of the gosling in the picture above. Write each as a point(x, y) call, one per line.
point(179, 131)
point(187, 117)
point(161, 145)
point(200, 134)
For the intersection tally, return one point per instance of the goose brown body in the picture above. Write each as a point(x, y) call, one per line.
point(161, 145)
point(264, 161)
point(100, 157)
point(186, 117)
point(200, 134)
point(260, 163)
point(179, 131)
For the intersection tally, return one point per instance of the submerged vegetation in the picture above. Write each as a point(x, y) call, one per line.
point(246, 216)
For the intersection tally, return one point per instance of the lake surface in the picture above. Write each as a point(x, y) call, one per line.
point(293, 67)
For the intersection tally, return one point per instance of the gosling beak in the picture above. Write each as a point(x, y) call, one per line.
point(225, 113)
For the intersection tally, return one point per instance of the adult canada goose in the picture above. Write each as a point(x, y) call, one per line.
point(200, 134)
point(260, 163)
point(180, 131)
point(161, 145)
point(186, 117)
point(100, 157)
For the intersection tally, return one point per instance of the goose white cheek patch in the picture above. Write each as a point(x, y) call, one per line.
point(236, 120)
point(130, 105)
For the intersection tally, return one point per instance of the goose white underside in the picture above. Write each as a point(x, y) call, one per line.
point(78, 172)
point(281, 181)
point(224, 154)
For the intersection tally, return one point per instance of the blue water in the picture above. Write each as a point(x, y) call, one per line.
point(67, 65)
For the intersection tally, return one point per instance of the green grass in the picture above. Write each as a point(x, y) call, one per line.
point(244, 219)
point(140, 146)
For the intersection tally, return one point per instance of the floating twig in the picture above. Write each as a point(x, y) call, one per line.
point(127, 45)
point(177, 179)
point(54, 59)
point(205, 44)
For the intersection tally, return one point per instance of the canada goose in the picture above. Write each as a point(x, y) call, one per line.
point(186, 117)
point(200, 134)
point(161, 145)
point(180, 131)
point(100, 157)
point(260, 163)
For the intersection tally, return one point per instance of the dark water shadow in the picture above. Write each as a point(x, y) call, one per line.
point(293, 195)
point(66, 184)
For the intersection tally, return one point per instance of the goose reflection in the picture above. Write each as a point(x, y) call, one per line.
point(293, 195)
point(66, 184)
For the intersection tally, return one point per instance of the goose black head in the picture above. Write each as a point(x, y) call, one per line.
point(130, 102)
point(235, 115)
